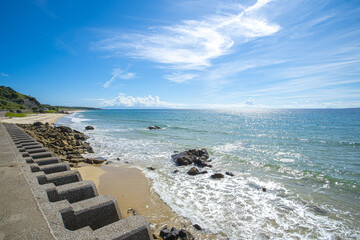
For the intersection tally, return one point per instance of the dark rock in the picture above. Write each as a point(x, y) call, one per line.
point(37, 124)
point(126, 162)
point(199, 162)
point(174, 231)
point(193, 171)
point(118, 159)
point(153, 127)
point(230, 174)
point(264, 189)
point(164, 232)
point(196, 156)
point(89, 149)
point(64, 129)
point(176, 171)
point(174, 234)
point(151, 168)
point(171, 236)
point(89, 128)
point(185, 235)
point(217, 175)
point(204, 172)
point(197, 227)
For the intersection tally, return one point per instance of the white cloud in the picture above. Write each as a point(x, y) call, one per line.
point(192, 44)
point(180, 77)
point(249, 102)
point(4, 74)
point(129, 101)
point(118, 73)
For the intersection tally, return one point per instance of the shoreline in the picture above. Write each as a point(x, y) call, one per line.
point(51, 118)
point(133, 190)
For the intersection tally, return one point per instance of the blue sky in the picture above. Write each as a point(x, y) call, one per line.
point(183, 54)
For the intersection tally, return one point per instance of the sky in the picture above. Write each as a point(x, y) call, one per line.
point(183, 54)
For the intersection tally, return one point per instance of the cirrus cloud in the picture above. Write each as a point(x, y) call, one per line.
point(118, 73)
point(192, 44)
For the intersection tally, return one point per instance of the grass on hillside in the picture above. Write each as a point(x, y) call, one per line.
point(51, 111)
point(10, 114)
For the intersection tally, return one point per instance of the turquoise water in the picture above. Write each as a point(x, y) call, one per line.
point(308, 160)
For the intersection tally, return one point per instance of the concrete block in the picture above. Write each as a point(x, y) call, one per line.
point(131, 228)
point(41, 155)
point(60, 178)
point(43, 161)
point(36, 150)
point(73, 192)
point(94, 212)
point(50, 168)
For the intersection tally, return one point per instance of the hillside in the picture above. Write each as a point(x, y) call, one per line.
point(12, 100)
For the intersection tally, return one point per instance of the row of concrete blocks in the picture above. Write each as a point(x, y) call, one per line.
point(71, 206)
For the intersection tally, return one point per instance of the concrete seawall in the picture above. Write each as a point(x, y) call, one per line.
point(42, 198)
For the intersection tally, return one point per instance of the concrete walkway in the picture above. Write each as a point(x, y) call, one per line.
point(20, 216)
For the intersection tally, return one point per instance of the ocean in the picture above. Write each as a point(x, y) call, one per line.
point(307, 160)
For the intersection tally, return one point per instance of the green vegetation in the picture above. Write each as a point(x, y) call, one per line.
point(11, 114)
point(51, 111)
point(19, 103)
point(12, 100)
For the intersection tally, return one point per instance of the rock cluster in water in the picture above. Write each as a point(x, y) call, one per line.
point(65, 142)
point(199, 157)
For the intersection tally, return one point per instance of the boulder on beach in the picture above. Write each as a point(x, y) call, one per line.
point(193, 171)
point(89, 128)
point(199, 157)
point(153, 127)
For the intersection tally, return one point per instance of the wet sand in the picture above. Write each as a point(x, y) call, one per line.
point(134, 191)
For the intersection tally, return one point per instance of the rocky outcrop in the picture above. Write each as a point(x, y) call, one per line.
point(89, 128)
point(65, 142)
point(199, 157)
point(153, 128)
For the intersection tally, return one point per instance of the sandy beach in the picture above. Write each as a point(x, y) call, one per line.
point(51, 118)
point(133, 190)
